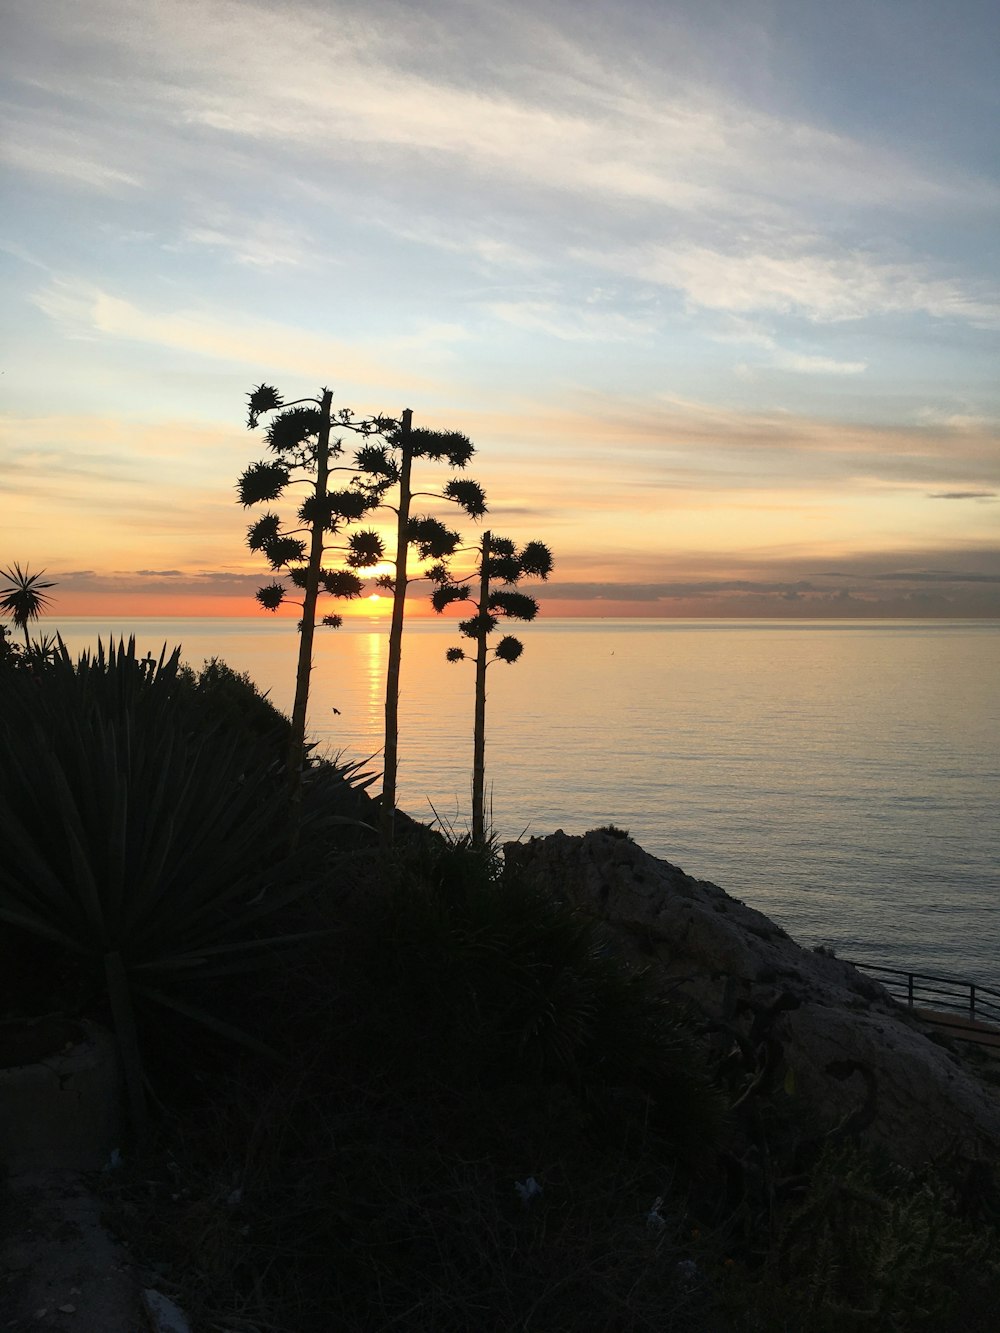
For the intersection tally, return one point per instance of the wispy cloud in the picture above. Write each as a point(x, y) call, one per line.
point(572, 325)
point(963, 495)
point(74, 157)
point(83, 310)
point(803, 364)
point(821, 286)
point(258, 243)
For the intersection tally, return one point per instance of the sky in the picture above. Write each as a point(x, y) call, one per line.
point(713, 287)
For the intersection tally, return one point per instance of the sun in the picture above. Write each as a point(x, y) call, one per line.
point(375, 597)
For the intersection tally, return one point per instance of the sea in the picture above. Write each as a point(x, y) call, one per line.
point(841, 776)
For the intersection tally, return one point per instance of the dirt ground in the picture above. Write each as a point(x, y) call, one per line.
point(59, 1269)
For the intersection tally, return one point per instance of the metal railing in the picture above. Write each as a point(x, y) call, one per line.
point(963, 1009)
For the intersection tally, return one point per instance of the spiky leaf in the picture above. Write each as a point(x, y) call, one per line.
point(469, 494)
point(281, 551)
point(536, 560)
point(449, 444)
point(350, 504)
point(271, 596)
point(448, 593)
point(263, 531)
point(264, 398)
point(25, 600)
point(508, 649)
point(291, 430)
point(482, 623)
point(366, 549)
point(262, 481)
point(332, 622)
point(455, 655)
point(517, 605)
point(431, 538)
point(374, 460)
point(503, 568)
point(502, 546)
point(317, 510)
point(341, 583)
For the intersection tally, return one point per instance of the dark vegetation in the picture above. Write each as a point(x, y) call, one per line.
point(410, 1092)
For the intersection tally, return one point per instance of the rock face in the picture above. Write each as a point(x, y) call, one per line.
point(848, 1054)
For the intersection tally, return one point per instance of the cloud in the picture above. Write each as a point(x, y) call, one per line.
point(567, 103)
point(934, 576)
point(822, 285)
point(263, 245)
point(818, 365)
point(657, 592)
point(963, 495)
point(571, 325)
point(76, 158)
point(84, 310)
point(779, 599)
point(167, 582)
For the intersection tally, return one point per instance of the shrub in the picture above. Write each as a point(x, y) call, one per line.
point(142, 840)
point(222, 697)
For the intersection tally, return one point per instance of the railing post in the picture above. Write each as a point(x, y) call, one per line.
point(909, 989)
point(972, 1002)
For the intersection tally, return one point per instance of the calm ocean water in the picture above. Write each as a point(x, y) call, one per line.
point(841, 776)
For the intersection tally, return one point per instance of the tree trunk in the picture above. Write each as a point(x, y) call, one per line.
point(296, 741)
point(479, 727)
point(391, 762)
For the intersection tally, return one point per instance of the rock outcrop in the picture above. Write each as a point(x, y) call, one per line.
point(848, 1054)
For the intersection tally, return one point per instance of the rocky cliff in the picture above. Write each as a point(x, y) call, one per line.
point(842, 1055)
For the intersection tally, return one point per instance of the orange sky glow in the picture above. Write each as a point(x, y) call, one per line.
point(722, 327)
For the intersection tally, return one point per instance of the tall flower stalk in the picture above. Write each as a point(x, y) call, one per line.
point(500, 567)
point(303, 453)
point(381, 476)
point(387, 470)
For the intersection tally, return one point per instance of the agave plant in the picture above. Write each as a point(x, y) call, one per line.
point(137, 838)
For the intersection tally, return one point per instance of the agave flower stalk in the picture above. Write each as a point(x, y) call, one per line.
point(395, 655)
point(389, 468)
point(311, 597)
point(299, 437)
point(500, 567)
point(479, 721)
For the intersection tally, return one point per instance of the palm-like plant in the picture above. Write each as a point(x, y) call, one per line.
point(25, 599)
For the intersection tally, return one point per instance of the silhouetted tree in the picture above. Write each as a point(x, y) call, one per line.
point(302, 452)
point(25, 599)
point(386, 469)
point(500, 568)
